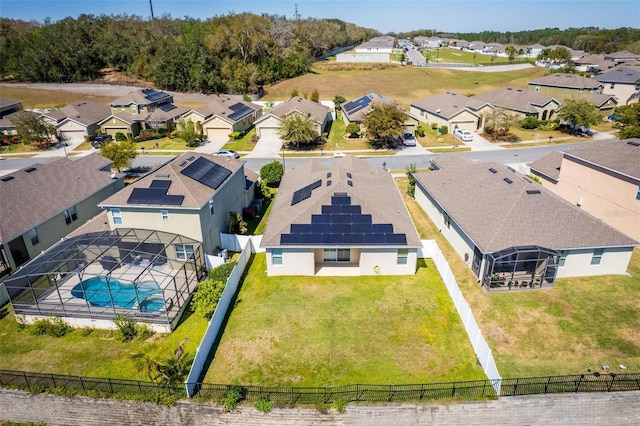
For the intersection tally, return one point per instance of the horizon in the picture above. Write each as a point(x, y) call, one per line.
point(386, 17)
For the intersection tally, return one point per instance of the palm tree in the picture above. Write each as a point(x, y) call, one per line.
point(170, 371)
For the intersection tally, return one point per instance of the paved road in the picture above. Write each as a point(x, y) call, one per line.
point(415, 56)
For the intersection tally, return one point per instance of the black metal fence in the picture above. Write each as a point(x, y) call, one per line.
point(291, 396)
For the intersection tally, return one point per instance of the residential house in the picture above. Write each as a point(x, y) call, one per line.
point(347, 219)
point(602, 178)
point(622, 82)
point(10, 109)
point(224, 116)
point(427, 42)
point(77, 121)
point(452, 110)
point(621, 56)
point(142, 109)
point(382, 44)
point(521, 102)
point(355, 111)
point(376, 50)
point(593, 63)
point(494, 49)
point(534, 50)
point(514, 233)
point(564, 86)
point(191, 196)
point(268, 126)
point(43, 203)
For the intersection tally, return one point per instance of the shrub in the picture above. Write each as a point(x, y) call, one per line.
point(322, 407)
point(352, 129)
point(237, 225)
point(265, 191)
point(421, 130)
point(263, 404)
point(53, 327)
point(434, 126)
point(144, 331)
point(235, 135)
point(530, 122)
point(175, 133)
point(206, 298)
point(551, 125)
point(127, 329)
point(120, 137)
point(271, 173)
point(340, 405)
point(233, 397)
point(222, 272)
point(444, 129)
point(315, 96)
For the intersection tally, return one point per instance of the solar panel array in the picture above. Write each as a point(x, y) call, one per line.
point(153, 95)
point(155, 194)
point(239, 111)
point(167, 107)
point(342, 223)
point(355, 106)
point(206, 172)
point(304, 193)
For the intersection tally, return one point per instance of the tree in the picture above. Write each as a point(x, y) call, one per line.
point(579, 112)
point(315, 96)
point(34, 129)
point(171, 370)
point(410, 172)
point(298, 129)
point(384, 122)
point(295, 92)
point(498, 122)
point(352, 129)
point(511, 52)
point(628, 121)
point(338, 100)
point(271, 173)
point(121, 154)
point(236, 224)
point(187, 132)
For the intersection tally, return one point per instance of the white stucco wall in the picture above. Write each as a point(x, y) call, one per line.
point(578, 263)
point(295, 261)
point(387, 262)
point(365, 57)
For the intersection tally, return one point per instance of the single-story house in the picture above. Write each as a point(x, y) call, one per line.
point(43, 203)
point(268, 126)
point(192, 195)
point(602, 177)
point(514, 233)
point(522, 102)
point(225, 115)
point(376, 50)
point(622, 82)
point(355, 111)
point(452, 110)
point(77, 121)
point(347, 219)
point(10, 109)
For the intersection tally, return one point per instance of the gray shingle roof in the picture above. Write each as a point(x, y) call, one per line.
point(384, 42)
point(497, 215)
point(52, 188)
point(225, 107)
point(570, 81)
point(143, 97)
point(195, 193)
point(315, 110)
point(516, 99)
point(9, 102)
point(448, 104)
point(373, 189)
point(83, 112)
point(370, 99)
point(549, 165)
point(623, 74)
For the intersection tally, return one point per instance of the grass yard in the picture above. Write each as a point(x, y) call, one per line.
point(461, 57)
point(581, 322)
point(87, 352)
point(320, 331)
point(243, 144)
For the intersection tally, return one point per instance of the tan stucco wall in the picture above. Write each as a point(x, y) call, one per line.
point(606, 197)
point(269, 122)
point(562, 93)
point(115, 125)
point(465, 120)
point(622, 92)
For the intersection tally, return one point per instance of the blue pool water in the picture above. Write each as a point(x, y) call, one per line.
point(152, 304)
point(100, 292)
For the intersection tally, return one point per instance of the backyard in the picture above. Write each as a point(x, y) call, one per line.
point(322, 331)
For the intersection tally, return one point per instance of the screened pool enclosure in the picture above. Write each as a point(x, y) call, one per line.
point(525, 267)
point(87, 280)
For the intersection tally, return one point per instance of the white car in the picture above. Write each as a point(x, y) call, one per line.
point(408, 139)
point(463, 135)
point(227, 153)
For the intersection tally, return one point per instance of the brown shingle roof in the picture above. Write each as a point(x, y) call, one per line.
point(31, 198)
point(570, 81)
point(143, 97)
point(549, 165)
point(373, 189)
point(195, 193)
point(83, 112)
point(225, 107)
point(369, 100)
point(315, 110)
point(449, 104)
point(515, 99)
point(497, 215)
point(618, 155)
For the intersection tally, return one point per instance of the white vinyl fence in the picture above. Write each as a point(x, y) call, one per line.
point(213, 329)
point(431, 250)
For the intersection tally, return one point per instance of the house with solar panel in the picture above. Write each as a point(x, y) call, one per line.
point(354, 111)
point(347, 219)
point(192, 196)
point(225, 115)
point(142, 109)
point(268, 126)
point(514, 233)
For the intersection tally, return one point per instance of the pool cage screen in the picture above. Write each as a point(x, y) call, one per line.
point(524, 267)
point(146, 275)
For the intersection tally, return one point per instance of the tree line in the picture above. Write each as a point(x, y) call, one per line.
point(590, 39)
point(234, 53)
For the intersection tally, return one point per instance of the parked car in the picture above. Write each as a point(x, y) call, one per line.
point(227, 153)
point(408, 139)
point(100, 140)
point(463, 135)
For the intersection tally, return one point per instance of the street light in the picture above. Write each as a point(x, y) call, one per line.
point(284, 163)
point(550, 138)
point(384, 166)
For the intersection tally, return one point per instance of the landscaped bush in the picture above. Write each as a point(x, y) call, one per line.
point(352, 129)
point(127, 329)
point(233, 397)
point(263, 404)
point(530, 122)
point(235, 136)
point(222, 272)
point(147, 136)
point(434, 126)
point(444, 129)
point(421, 130)
point(54, 327)
point(550, 126)
point(120, 137)
point(271, 173)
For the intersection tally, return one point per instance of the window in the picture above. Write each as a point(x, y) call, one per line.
point(537, 87)
point(165, 214)
point(403, 255)
point(613, 85)
point(638, 194)
point(211, 207)
point(33, 235)
point(597, 256)
point(116, 216)
point(563, 258)
point(183, 251)
point(337, 255)
point(447, 220)
point(70, 215)
point(134, 109)
point(276, 257)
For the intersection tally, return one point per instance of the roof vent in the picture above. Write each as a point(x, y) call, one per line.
point(511, 169)
point(162, 175)
point(349, 175)
point(349, 183)
point(509, 181)
point(328, 175)
point(6, 178)
point(634, 143)
point(533, 191)
point(328, 183)
point(30, 169)
point(184, 163)
point(438, 110)
point(191, 158)
point(492, 170)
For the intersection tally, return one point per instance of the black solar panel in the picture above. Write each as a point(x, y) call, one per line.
point(154, 196)
point(206, 172)
point(357, 105)
point(304, 193)
point(340, 200)
point(396, 238)
point(239, 111)
point(167, 107)
point(153, 95)
point(160, 184)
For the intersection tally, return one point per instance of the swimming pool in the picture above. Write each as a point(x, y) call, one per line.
point(100, 292)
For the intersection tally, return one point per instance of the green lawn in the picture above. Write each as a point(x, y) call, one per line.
point(243, 144)
point(461, 57)
point(319, 331)
point(581, 322)
point(86, 352)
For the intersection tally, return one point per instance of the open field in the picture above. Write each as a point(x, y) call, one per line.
point(312, 331)
point(446, 55)
point(37, 98)
point(579, 323)
point(87, 352)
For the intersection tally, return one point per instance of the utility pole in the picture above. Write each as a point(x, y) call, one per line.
point(151, 7)
point(296, 15)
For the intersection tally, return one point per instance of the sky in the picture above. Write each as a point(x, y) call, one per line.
point(385, 16)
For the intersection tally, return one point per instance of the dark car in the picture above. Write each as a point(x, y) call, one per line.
point(100, 140)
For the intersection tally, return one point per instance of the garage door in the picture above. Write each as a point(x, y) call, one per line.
point(465, 125)
point(72, 135)
point(269, 133)
point(217, 133)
